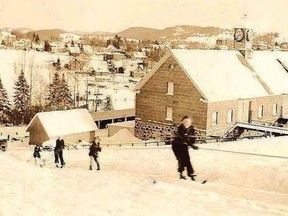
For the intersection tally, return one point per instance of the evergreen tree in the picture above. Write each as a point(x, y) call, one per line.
point(67, 101)
point(59, 95)
point(47, 47)
point(54, 92)
point(21, 99)
point(108, 104)
point(37, 38)
point(33, 37)
point(5, 105)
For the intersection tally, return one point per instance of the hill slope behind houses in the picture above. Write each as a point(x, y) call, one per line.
point(182, 31)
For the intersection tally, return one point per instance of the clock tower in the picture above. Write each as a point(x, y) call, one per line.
point(243, 41)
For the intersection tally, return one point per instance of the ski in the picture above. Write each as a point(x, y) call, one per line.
point(193, 179)
point(201, 182)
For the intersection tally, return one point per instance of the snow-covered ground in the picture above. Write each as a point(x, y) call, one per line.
point(144, 181)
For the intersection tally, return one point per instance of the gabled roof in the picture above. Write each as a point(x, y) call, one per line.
point(66, 122)
point(221, 75)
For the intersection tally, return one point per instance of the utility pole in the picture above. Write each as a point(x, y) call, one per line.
point(87, 74)
point(96, 99)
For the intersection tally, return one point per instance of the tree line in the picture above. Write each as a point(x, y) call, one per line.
point(21, 111)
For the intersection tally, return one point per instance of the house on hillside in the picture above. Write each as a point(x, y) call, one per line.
point(69, 37)
point(139, 56)
point(74, 51)
point(217, 88)
point(7, 38)
point(72, 125)
point(22, 44)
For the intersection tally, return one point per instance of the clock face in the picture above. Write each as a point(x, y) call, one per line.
point(249, 35)
point(239, 35)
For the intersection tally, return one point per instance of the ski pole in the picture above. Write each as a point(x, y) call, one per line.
point(51, 156)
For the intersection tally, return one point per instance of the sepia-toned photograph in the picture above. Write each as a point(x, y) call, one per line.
point(143, 108)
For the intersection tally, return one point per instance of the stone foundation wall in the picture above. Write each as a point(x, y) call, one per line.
point(152, 130)
point(251, 133)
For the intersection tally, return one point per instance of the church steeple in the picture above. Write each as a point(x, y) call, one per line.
point(243, 39)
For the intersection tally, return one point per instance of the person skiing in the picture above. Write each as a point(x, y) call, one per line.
point(184, 137)
point(58, 152)
point(93, 152)
point(37, 155)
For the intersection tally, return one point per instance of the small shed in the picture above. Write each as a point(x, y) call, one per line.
point(115, 127)
point(72, 125)
point(122, 137)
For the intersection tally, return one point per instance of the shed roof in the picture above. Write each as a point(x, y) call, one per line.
point(58, 123)
point(113, 114)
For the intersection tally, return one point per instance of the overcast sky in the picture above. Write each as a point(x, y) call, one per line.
point(117, 15)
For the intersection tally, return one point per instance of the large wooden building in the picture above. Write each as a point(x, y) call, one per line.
point(217, 88)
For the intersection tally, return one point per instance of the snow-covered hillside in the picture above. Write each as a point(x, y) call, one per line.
point(35, 65)
point(144, 181)
point(39, 72)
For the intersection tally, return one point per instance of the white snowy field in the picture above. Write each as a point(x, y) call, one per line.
point(144, 181)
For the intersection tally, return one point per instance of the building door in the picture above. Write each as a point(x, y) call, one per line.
point(244, 111)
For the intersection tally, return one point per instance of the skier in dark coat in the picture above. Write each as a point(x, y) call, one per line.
point(185, 136)
point(93, 152)
point(58, 152)
point(37, 155)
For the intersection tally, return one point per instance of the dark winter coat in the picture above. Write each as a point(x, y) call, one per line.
point(184, 137)
point(59, 145)
point(37, 151)
point(94, 149)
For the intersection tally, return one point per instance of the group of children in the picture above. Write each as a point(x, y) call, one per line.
point(58, 153)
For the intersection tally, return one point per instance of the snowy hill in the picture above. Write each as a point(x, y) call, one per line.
point(183, 32)
point(144, 181)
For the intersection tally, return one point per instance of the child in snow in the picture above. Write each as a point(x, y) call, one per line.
point(93, 152)
point(185, 137)
point(37, 155)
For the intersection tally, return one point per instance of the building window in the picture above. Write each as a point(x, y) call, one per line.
point(170, 88)
point(261, 111)
point(169, 113)
point(274, 109)
point(230, 116)
point(215, 118)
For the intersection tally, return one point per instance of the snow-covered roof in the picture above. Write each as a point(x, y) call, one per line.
point(267, 65)
point(99, 66)
point(111, 48)
point(219, 74)
point(75, 49)
point(66, 122)
point(121, 137)
point(139, 55)
point(226, 75)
